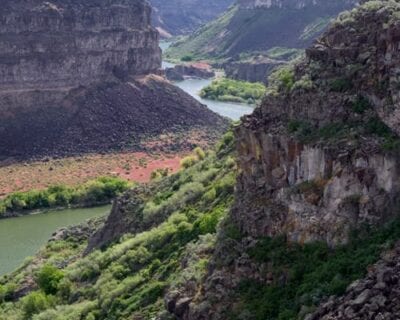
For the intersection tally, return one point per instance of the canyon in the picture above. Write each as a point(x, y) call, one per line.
point(292, 215)
point(84, 77)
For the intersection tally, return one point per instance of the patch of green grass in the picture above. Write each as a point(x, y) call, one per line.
point(234, 91)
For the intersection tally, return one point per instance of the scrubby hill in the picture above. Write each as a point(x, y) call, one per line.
point(253, 26)
point(167, 230)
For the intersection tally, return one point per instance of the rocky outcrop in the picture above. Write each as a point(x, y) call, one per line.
point(253, 70)
point(318, 158)
point(258, 26)
point(177, 17)
point(372, 298)
point(321, 188)
point(195, 70)
point(74, 78)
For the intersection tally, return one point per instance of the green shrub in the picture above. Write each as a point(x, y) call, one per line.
point(101, 190)
point(200, 153)
point(34, 303)
point(283, 78)
point(48, 279)
point(360, 105)
point(187, 58)
point(229, 90)
point(188, 162)
point(341, 85)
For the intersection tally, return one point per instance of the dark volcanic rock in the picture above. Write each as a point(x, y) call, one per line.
point(179, 72)
point(70, 79)
point(374, 297)
point(106, 116)
point(254, 70)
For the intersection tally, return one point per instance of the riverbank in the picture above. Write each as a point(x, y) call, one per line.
point(22, 237)
point(90, 194)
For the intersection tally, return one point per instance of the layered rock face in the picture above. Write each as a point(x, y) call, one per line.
point(69, 79)
point(253, 70)
point(314, 158)
point(176, 17)
point(64, 44)
point(318, 159)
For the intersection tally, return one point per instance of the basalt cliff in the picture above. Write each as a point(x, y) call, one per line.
point(75, 78)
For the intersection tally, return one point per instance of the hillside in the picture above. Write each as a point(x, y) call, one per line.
point(285, 24)
point(293, 215)
point(81, 77)
point(178, 17)
point(235, 43)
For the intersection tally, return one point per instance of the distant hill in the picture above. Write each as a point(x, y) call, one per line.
point(261, 25)
point(177, 17)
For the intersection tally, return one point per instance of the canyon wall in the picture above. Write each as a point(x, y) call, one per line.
point(74, 77)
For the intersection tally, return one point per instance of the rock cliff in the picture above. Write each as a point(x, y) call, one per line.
point(70, 79)
point(318, 160)
point(177, 17)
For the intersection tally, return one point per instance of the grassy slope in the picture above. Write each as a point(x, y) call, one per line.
point(239, 31)
point(129, 278)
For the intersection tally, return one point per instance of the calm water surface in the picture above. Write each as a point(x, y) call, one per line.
point(24, 236)
point(193, 86)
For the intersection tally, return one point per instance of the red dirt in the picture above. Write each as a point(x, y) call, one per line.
point(134, 166)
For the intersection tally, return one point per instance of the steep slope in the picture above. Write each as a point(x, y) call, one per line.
point(72, 79)
point(316, 201)
point(177, 17)
point(153, 236)
point(251, 26)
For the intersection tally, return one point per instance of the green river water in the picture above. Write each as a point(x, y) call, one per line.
point(24, 236)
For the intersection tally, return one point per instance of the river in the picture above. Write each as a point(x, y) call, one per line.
point(24, 236)
point(231, 110)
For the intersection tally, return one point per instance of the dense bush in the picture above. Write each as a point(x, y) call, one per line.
point(48, 279)
point(304, 275)
point(101, 190)
point(234, 91)
point(34, 303)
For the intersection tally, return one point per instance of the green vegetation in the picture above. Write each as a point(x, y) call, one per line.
point(128, 279)
point(281, 53)
point(304, 275)
point(94, 192)
point(283, 78)
point(234, 91)
point(341, 85)
point(315, 28)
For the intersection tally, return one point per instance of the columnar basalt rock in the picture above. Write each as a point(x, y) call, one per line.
point(318, 158)
point(321, 188)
